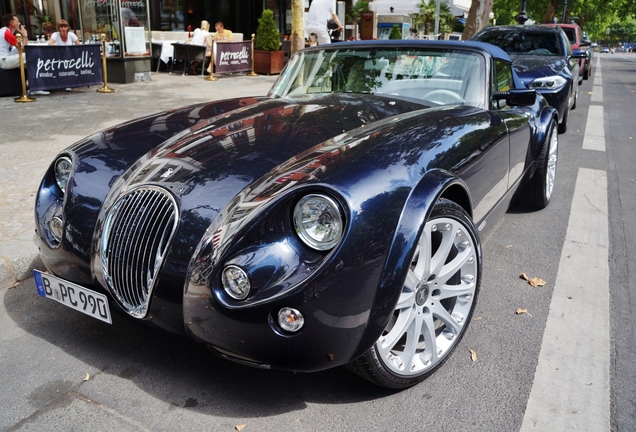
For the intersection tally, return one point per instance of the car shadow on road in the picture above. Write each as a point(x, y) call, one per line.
point(173, 370)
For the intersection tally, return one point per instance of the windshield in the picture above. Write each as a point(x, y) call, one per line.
point(518, 42)
point(435, 77)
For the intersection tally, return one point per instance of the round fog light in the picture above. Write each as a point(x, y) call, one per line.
point(290, 319)
point(56, 225)
point(235, 282)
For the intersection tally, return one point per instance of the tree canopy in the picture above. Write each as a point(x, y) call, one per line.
point(605, 21)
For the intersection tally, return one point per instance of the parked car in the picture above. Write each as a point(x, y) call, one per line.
point(605, 50)
point(579, 41)
point(336, 221)
point(589, 61)
point(543, 59)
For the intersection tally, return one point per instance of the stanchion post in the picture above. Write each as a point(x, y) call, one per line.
point(211, 77)
point(24, 97)
point(105, 88)
point(252, 73)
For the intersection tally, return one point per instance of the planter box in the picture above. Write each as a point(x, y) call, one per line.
point(268, 62)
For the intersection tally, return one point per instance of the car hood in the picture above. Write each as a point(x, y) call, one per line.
point(208, 160)
point(531, 67)
point(243, 145)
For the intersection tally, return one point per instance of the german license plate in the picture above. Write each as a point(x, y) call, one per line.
point(74, 296)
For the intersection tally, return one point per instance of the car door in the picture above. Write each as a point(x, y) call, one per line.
point(516, 120)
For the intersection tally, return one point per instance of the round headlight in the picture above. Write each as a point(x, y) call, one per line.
point(63, 167)
point(318, 221)
point(236, 282)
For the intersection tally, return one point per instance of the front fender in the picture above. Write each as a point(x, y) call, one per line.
point(434, 185)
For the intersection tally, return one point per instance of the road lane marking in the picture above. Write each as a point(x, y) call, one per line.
point(594, 138)
point(597, 93)
point(570, 391)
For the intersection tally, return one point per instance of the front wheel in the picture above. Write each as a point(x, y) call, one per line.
point(435, 305)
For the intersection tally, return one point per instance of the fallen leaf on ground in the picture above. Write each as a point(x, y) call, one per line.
point(520, 311)
point(240, 427)
point(87, 377)
point(473, 355)
point(535, 281)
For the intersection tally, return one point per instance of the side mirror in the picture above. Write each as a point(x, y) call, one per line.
point(517, 97)
point(579, 54)
point(585, 42)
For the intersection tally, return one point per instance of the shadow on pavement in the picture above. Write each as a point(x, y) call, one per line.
point(175, 371)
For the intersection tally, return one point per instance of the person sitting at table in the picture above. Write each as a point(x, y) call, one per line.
point(47, 30)
point(222, 34)
point(201, 36)
point(9, 58)
point(62, 36)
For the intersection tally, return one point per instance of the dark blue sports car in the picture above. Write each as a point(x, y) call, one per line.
point(544, 60)
point(336, 221)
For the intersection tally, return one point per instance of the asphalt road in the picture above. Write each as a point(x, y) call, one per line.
point(61, 370)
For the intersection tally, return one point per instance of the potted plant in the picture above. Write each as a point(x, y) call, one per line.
point(268, 57)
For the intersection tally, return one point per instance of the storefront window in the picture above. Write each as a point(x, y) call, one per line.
point(172, 15)
point(125, 24)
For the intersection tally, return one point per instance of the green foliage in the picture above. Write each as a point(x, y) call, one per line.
point(395, 32)
point(425, 17)
point(356, 11)
point(267, 37)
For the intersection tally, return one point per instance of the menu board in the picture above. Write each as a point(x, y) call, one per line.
point(135, 40)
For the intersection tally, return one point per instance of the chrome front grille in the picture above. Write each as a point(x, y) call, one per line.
point(137, 232)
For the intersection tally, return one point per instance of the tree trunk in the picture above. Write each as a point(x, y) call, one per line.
point(477, 17)
point(298, 26)
point(551, 12)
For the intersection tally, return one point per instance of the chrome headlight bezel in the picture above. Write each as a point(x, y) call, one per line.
point(319, 221)
point(62, 169)
point(549, 83)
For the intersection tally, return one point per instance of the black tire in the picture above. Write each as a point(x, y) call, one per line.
point(399, 358)
point(538, 191)
point(563, 126)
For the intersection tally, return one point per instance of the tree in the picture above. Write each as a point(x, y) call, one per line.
point(356, 12)
point(425, 16)
point(395, 32)
point(477, 17)
point(267, 35)
point(298, 26)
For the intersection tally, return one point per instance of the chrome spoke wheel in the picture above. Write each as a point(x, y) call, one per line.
point(551, 164)
point(435, 303)
point(436, 299)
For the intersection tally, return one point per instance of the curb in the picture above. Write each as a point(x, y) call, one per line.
point(21, 268)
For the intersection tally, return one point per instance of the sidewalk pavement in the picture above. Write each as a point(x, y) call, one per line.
point(34, 133)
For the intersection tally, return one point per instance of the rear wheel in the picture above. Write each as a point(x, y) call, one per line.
point(435, 306)
point(538, 191)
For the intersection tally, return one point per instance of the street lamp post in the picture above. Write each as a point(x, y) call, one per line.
point(565, 5)
point(522, 16)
